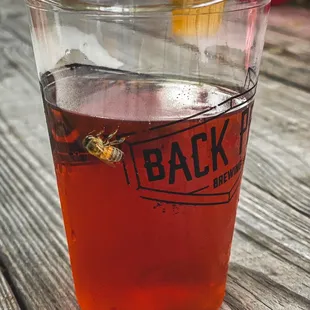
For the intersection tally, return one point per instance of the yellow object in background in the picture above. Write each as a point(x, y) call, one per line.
point(197, 21)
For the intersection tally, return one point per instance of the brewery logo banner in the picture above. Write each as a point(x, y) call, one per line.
point(170, 164)
point(176, 158)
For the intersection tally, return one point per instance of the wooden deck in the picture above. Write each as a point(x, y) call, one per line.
point(270, 263)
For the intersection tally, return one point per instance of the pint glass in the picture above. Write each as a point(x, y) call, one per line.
point(148, 106)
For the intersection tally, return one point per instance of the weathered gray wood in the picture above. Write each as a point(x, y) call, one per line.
point(291, 20)
point(287, 46)
point(31, 226)
point(7, 298)
point(270, 264)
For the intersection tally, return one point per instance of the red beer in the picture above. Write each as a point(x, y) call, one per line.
point(153, 232)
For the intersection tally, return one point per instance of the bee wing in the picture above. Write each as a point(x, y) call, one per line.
point(120, 141)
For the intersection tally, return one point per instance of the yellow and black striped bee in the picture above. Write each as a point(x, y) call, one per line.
point(104, 150)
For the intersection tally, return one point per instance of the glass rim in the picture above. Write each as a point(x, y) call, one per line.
point(109, 8)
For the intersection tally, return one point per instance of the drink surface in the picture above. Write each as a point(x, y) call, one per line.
point(153, 230)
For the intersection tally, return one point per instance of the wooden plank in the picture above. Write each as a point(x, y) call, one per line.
point(31, 225)
point(294, 21)
point(286, 69)
point(270, 257)
point(279, 43)
point(11, 9)
point(7, 298)
point(286, 58)
point(271, 244)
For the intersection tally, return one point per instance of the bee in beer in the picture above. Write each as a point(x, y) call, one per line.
point(104, 150)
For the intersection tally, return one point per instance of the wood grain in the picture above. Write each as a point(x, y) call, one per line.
point(7, 298)
point(291, 20)
point(270, 263)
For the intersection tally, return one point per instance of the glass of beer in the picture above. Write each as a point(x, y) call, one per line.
point(148, 106)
